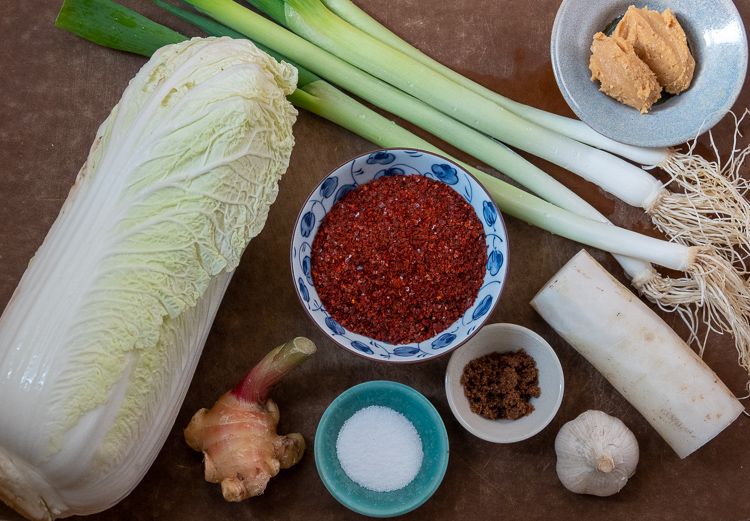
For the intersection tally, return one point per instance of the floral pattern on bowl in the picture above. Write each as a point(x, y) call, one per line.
point(374, 166)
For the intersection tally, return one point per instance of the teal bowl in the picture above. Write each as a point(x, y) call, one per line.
point(428, 423)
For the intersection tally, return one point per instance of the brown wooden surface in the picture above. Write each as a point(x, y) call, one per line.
point(55, 89)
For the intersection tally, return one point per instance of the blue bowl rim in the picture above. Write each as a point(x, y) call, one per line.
point(443, 353)
point(376, 385)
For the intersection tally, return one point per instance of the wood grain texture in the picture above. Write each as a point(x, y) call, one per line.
point(56, 89)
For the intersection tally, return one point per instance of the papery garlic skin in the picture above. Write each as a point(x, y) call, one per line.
point(596, 454)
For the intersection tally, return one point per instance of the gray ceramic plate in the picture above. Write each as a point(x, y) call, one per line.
point(717, 39)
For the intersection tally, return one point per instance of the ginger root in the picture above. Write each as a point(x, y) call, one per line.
point(237, 436)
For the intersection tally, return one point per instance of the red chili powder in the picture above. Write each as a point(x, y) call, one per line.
point(399, 259)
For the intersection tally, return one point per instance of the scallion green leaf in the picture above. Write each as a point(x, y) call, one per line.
point(110, 24)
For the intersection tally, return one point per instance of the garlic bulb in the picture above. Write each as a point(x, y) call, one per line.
point(596, 454)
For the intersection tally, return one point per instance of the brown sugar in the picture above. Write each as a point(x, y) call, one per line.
point(501, 385)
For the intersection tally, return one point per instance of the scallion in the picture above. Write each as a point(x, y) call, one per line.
point(708, 275)
point(710, 211)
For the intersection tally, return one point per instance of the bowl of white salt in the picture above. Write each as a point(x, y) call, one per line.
point(381, 449)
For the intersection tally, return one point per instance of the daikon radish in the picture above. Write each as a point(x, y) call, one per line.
point(638, 353)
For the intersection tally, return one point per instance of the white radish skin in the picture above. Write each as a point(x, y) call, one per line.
point(638, 353)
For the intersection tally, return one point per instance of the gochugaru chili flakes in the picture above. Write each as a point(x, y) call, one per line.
point(399, 259)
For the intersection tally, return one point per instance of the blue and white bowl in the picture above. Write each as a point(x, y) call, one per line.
point(375, 165)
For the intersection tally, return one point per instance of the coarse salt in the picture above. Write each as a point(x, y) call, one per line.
point(379, 449)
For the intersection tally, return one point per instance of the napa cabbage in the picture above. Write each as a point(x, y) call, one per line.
point(102, 335)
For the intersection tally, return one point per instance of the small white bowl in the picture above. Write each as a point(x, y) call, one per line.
point(502, 338)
